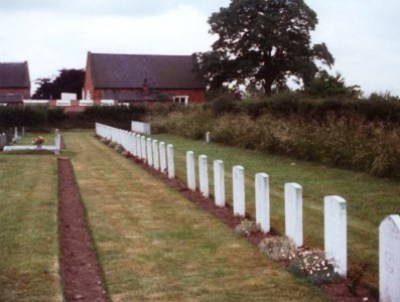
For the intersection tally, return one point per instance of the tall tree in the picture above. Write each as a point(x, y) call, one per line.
point(261, 43)
point(68, 80)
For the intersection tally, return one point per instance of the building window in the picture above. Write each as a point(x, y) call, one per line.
point(181, 99)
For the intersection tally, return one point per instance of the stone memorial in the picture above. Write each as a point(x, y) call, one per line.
point(389, 259)
point(149, 152)
point(163, 158)
point(294, 213)
point(239, 207)
point(203, 176)
point(262, 202)
point(335, 232)
point(171, 161)
point(190, 168)
point(219, 183)
point(156, 157)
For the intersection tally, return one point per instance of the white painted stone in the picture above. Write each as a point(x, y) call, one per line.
point(208, 137)
point(156, 157)
point(171, 161)
point(294, 213)
point(138, 146)
point(219, 183)
point(163, 158)
point(132, 138)
point(389, 259)
point(143, 145)
point(57, 144)
point(140, 127)
point(203, 176)
point(335, 229)
point(239, 207)
point(149, 152)
point(262, 202)
point(15, 133)
point(190, 170)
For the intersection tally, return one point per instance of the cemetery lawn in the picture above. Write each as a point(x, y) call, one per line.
point(154, 245)
point(369, 199)
point(28, 229)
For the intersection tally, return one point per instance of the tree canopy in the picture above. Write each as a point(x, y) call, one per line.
point(261, 44)
point(326, 85)
point(68, 80)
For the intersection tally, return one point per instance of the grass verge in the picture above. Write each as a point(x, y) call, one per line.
point(155, 245)
point(28, 229)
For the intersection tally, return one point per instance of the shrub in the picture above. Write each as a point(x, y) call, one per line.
point(119, 148)
point(312, 265)
point(278, 248)
point(246, 227)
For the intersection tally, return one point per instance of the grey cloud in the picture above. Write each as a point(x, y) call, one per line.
point(108, 7)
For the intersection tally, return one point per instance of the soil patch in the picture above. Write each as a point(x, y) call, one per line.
point(80, 272)
point(344, 291)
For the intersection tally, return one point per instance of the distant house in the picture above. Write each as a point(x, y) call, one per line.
point(14, 83)
point(142, 78)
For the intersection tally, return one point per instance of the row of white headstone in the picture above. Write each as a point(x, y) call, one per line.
point(335, 212)
point(334, 206)
point(140, 127)
point(156, 154)
point(335, 218)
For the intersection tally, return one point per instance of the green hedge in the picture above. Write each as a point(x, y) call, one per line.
point(42, 117)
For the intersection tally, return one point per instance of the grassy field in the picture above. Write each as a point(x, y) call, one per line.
point(28, 229)
point(154, 245)
point(369, 200)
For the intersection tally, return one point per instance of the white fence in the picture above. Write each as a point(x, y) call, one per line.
point(335, 211)
point(142, 128)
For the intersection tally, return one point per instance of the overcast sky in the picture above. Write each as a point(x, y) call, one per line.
point(362, 35)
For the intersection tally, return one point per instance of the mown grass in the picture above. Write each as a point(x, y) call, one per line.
point(369, 199)
point(27, 139)
point(28, 229)
point(154, 245)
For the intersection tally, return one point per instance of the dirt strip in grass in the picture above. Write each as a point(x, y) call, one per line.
point(80, 271)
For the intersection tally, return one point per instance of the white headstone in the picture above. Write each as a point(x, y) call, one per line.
point(219, 183)
point(163, 158)
point(262, 202)
point(335, 231)
point(208, 138)
point(389, 259)
point(143, 145)
point(294, 213)
point(190, 170)
point(156, 157)
point(15, 133)
point(138, 146)
point(133, 143)
point(171, 161)
point(239, 207)
point(149, 152)
point(203, 175)
point(57, 144)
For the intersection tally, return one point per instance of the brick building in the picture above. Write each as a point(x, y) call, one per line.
point(142, 78)
point(15, 83)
